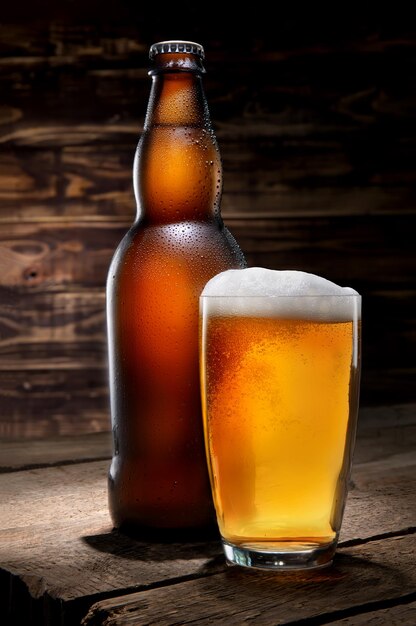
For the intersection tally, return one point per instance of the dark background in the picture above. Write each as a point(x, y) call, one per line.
point(314, 113)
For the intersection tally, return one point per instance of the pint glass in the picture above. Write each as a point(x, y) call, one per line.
point(280, 387)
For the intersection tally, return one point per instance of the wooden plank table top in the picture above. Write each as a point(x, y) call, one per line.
point(62, 563)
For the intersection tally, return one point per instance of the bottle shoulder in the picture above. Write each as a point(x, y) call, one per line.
point(189, 242)
point(182, 233)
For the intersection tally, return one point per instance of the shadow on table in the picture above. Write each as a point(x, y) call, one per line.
point(151, 548)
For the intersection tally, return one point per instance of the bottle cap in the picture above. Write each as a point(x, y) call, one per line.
point(176, 45)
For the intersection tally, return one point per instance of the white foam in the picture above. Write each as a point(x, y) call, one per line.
point(258, 291)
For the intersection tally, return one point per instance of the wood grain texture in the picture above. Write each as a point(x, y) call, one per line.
point(38, 403)
point(72, 395)
point(50, 323)
point(315, 120)
point(58, 553)
point(382, 432)
point(260, 178)
point(53, 376)
point(56, 537)
point(52, 308)
point(385, 431)
point(58, 255)
point(60, 450)
point(402, 614)
point(367, 574)
point(68, 253)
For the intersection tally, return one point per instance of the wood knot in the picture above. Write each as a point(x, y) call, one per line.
point(32, 275)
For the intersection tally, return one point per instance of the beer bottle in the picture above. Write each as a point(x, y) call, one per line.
point(158, 475)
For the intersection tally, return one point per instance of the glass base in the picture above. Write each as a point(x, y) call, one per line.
point(280, 555)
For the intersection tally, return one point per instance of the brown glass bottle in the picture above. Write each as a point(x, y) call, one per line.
point(158, 476)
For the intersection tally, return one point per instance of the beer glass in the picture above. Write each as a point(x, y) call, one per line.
point(280, 387)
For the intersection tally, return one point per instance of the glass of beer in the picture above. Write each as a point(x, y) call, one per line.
point(280, 371)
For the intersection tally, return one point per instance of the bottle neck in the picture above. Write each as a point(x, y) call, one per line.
point(177, 169)
point(177, 99)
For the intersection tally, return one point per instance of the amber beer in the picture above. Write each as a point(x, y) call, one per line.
point(158, 478)
point(280, 395)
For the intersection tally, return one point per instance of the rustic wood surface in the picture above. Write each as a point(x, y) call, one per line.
point(399, 614)
point(385, 569)
point(17, 455)
point(382, 432)
point(59, 554)
point(314, 115)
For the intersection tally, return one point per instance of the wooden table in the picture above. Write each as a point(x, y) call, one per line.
point(61, 563)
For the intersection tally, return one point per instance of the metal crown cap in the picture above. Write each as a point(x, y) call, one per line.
point(176, 45)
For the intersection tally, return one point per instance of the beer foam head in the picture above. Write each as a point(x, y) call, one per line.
point(293, 294)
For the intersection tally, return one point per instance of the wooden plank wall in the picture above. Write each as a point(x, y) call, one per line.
point(315, 117)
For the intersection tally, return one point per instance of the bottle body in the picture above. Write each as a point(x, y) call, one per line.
point(158, 477)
